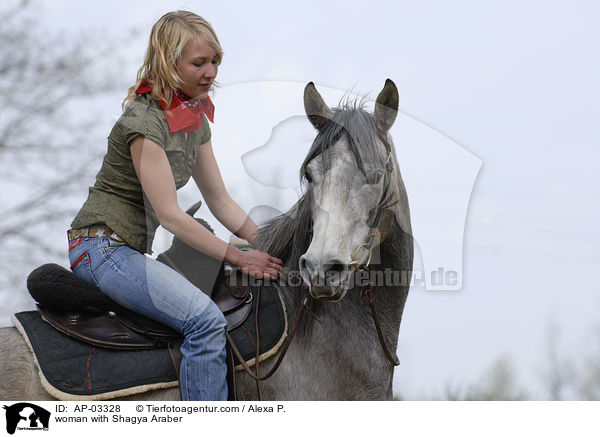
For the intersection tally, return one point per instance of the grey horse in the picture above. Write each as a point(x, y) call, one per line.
point(330, 239)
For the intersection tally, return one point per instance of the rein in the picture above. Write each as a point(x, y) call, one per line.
point(256, 375)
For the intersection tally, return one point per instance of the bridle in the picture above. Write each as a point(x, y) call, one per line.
point(382, 220)
point(382, 224)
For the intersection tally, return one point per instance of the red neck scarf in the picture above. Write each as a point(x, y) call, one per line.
point(184, 114)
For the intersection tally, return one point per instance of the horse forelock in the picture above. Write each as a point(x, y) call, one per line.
point(351, 122)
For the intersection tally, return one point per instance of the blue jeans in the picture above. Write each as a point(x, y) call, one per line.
point(149, 287)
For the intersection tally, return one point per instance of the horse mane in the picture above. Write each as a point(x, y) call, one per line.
point(288, 235)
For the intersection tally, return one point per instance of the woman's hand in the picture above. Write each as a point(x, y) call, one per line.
point(260, 264)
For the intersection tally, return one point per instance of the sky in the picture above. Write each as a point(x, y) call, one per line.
point(496, 137)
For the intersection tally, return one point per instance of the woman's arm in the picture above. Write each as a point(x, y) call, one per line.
point(154, 172)
point(207, 175)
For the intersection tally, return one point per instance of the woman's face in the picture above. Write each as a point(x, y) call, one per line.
point(197, 68)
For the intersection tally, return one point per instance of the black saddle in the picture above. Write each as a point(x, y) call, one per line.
point(83, 312)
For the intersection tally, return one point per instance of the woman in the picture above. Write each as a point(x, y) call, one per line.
point(161, 140)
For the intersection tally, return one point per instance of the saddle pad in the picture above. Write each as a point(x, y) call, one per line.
point(72, 370)
point(272, 326)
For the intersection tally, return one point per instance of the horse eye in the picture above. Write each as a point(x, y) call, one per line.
point(308, 177)
point(375, 177)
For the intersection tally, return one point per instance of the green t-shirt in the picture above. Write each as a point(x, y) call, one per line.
point(117, 199)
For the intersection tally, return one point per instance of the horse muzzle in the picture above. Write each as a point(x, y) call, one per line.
point(326, 281)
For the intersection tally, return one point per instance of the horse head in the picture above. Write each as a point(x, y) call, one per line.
point(352, 180)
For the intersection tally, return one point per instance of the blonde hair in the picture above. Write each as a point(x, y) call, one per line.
point(168, 38)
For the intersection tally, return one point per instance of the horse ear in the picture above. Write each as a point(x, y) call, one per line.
point(317, 111)
point(386, 106)
point(195, 207)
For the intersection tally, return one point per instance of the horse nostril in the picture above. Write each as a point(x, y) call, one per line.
point(304, 264)
point(337, 267)
point(305, 270)
point(314, 273)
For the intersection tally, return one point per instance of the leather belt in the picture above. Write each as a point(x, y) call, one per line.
point(96, 230)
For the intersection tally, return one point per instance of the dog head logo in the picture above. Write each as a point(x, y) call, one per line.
point(26, 416)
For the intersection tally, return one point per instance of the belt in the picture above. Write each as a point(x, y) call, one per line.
point(96, 230)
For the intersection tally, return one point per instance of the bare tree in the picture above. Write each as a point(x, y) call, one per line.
point(51, 129)
point(557, 374)
point(498, 383)
point(588, 384)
